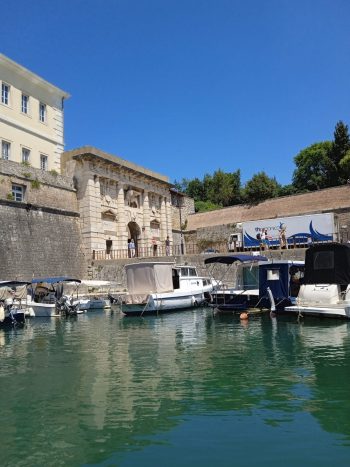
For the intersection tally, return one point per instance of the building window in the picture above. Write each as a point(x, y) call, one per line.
point(42, 112)
point(25, 155)
point(25, 104)
point(5, 93)
point(43, 162)
point(18, 192)
point(5, 150)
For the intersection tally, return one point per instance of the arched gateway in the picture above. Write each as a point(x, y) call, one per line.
point(118, 200)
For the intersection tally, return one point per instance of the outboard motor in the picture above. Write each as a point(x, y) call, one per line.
point(66, 307)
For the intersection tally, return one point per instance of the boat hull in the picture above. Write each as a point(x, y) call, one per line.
point(164, 303)
point(13, 320)
point(231, 301)
point(42, 310)
point(319, 311)
point(98, 304)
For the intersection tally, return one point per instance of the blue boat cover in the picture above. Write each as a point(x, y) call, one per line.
point(230, 259)
point(280, 287)
point(54, 280)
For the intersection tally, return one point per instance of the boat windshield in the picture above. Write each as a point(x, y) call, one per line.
point(188, 271)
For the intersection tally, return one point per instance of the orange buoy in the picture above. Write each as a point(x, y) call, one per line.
point(243, 316)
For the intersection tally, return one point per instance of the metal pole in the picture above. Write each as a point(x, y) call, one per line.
point(181, 234)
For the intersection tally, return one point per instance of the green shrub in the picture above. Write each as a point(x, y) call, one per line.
point(35, 184)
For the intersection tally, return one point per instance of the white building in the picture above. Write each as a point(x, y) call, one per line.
point(31, 117)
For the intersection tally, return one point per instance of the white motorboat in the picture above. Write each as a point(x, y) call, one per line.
point(93, 294)
point(325, 290)
point(47, 298)
point(12, 302)
point(157, 287)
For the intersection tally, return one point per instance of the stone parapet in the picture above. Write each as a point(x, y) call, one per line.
point(328, 200)
point(40, 188)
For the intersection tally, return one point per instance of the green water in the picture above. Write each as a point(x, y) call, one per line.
point(187, 389)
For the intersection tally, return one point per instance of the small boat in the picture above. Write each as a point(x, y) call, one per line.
point(94, 295)
point(245, 293)
point(47, 298)
point(12, 302)
point(157, 287)
point(325, 289)
point(279, 283)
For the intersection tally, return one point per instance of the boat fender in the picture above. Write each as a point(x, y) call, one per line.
point(194, 301)
point(2, 313)
point(244, 316)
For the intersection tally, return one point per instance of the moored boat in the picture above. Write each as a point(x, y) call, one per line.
point(325, 291)
point(158, 287)
point(48, 298)
point(94, 294)
point(279, 283)
point(12, 302)
point(245, 292)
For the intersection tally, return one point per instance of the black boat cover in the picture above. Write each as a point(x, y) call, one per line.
point(327, 263)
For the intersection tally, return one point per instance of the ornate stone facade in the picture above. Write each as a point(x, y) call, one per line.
point(119, 200)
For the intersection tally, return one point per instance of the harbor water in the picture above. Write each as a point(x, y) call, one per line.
point(184, 389)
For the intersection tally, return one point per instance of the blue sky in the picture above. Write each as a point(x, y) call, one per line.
point(185, 87)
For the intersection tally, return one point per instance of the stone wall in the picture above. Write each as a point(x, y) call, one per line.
point(39, 242)
point(187, 208)
point(42, 188)
point(216, 226)
point(330, 200)
point(39, 236)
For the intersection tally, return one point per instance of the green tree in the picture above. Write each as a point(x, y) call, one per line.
point(287, 190)
point(182, 185)
point(338, 153)
point(344, 165)
point(313, 167)
point(195, 189)
point(225, 188)
point(207, 184)
point(260, 187)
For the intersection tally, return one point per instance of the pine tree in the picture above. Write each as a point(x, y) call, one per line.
point(340, 146)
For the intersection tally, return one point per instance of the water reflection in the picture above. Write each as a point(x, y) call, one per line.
point(99, 386)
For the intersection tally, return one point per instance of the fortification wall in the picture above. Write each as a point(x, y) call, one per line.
point(40, 235)
point(39, 242)
point(329, 200)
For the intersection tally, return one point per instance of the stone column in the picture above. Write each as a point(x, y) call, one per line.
point(90, 211)
point(146, 228)
point(169, 218)
point(163, 220)
point(122, 236)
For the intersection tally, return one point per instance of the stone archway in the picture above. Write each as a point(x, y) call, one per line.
point(134, 232)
